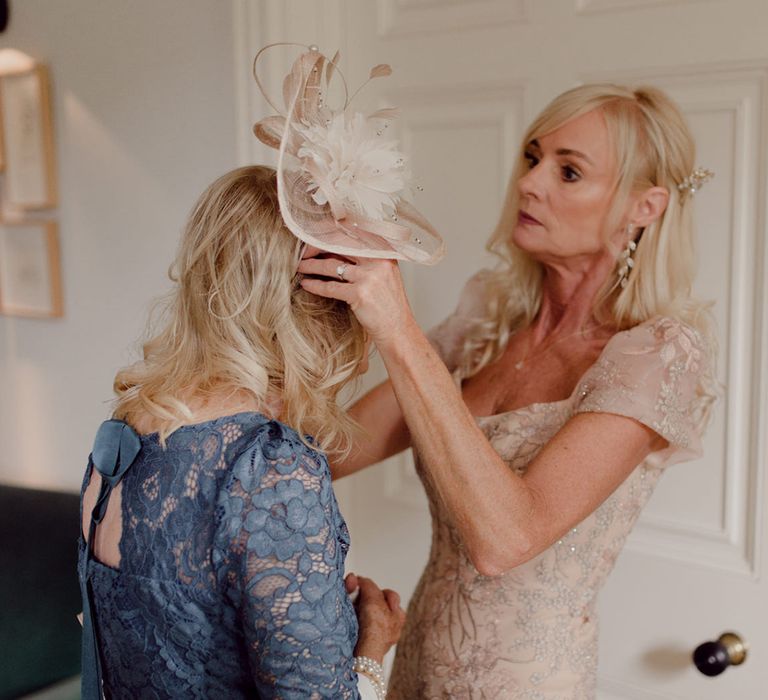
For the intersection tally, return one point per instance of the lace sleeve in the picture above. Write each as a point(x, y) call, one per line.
point(448, 336)
point(651, 373)
point(280, 555)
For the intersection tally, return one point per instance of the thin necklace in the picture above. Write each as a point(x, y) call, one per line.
point(521, 362)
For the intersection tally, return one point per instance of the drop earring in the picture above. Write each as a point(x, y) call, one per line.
point(626, 263)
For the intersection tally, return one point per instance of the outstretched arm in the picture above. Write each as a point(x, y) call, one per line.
point(503, 519)
point(384, 431)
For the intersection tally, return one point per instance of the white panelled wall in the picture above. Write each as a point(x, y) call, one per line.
point(469, 75)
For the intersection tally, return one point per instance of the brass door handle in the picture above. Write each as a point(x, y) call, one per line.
point(712, 658)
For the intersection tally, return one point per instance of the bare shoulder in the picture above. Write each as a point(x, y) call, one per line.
point(203, 408)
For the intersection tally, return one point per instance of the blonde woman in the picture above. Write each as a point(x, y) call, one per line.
point(215, 569)
point(547, 406)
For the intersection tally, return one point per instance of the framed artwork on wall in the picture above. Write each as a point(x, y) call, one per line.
point(30, 177)
point(30, 269)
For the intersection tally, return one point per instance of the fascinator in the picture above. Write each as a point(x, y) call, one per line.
point(341, 183)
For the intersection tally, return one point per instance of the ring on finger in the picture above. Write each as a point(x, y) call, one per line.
point(340, 270)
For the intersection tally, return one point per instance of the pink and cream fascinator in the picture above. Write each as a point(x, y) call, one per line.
point(341, 182)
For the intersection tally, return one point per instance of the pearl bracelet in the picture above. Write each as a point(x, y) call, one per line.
point(375, 673)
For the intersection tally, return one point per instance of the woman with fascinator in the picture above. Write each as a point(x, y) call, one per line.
point(543, 410)
point(212, 556)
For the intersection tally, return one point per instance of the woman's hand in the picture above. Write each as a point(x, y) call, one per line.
point(372, 288)
point(379, 614)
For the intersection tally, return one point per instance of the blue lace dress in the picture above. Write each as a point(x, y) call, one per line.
point(231, 563)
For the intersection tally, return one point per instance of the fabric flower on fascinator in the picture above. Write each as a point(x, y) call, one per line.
point(349, 158)
point(342, 184)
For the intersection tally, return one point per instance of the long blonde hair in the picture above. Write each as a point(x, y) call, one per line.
point(236, 319)
point(653, 147)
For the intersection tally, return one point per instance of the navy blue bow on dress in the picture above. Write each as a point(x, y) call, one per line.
point(114, 451)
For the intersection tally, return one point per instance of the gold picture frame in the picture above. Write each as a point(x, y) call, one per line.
point(30, 269)
point(28, 151)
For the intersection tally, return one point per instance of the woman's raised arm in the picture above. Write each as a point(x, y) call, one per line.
point(503, 519)
point(384, 431)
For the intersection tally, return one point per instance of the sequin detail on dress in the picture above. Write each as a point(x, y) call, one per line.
point(230, 580)
point(531, 634)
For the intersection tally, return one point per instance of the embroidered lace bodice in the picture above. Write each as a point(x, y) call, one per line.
point(231, 563)
point(531, 634)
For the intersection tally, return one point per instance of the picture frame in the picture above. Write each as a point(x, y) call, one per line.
point(30, 269)
point(30, 179)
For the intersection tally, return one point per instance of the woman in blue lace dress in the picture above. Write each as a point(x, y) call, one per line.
point(216, 569)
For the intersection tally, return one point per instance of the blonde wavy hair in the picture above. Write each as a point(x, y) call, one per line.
point(653, 147)
point(236, 319)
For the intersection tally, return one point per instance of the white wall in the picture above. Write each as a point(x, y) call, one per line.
point(144, 113)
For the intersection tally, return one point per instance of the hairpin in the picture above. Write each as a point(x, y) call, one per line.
point(695, 180)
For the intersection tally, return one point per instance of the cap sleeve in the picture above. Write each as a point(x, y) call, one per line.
point(447, 337)
point(651, 373)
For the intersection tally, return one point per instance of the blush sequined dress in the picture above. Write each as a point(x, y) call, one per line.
point(531, 634)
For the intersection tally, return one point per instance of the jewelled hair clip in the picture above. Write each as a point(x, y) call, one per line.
point(695, 180)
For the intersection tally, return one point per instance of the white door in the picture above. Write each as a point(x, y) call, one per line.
point(469, 75)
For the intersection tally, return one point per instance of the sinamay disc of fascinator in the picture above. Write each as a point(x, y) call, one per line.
point(341, 182)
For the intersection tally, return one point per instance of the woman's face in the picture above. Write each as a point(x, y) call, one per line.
point(567, 192)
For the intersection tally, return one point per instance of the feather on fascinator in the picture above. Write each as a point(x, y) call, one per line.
point(340, 181)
